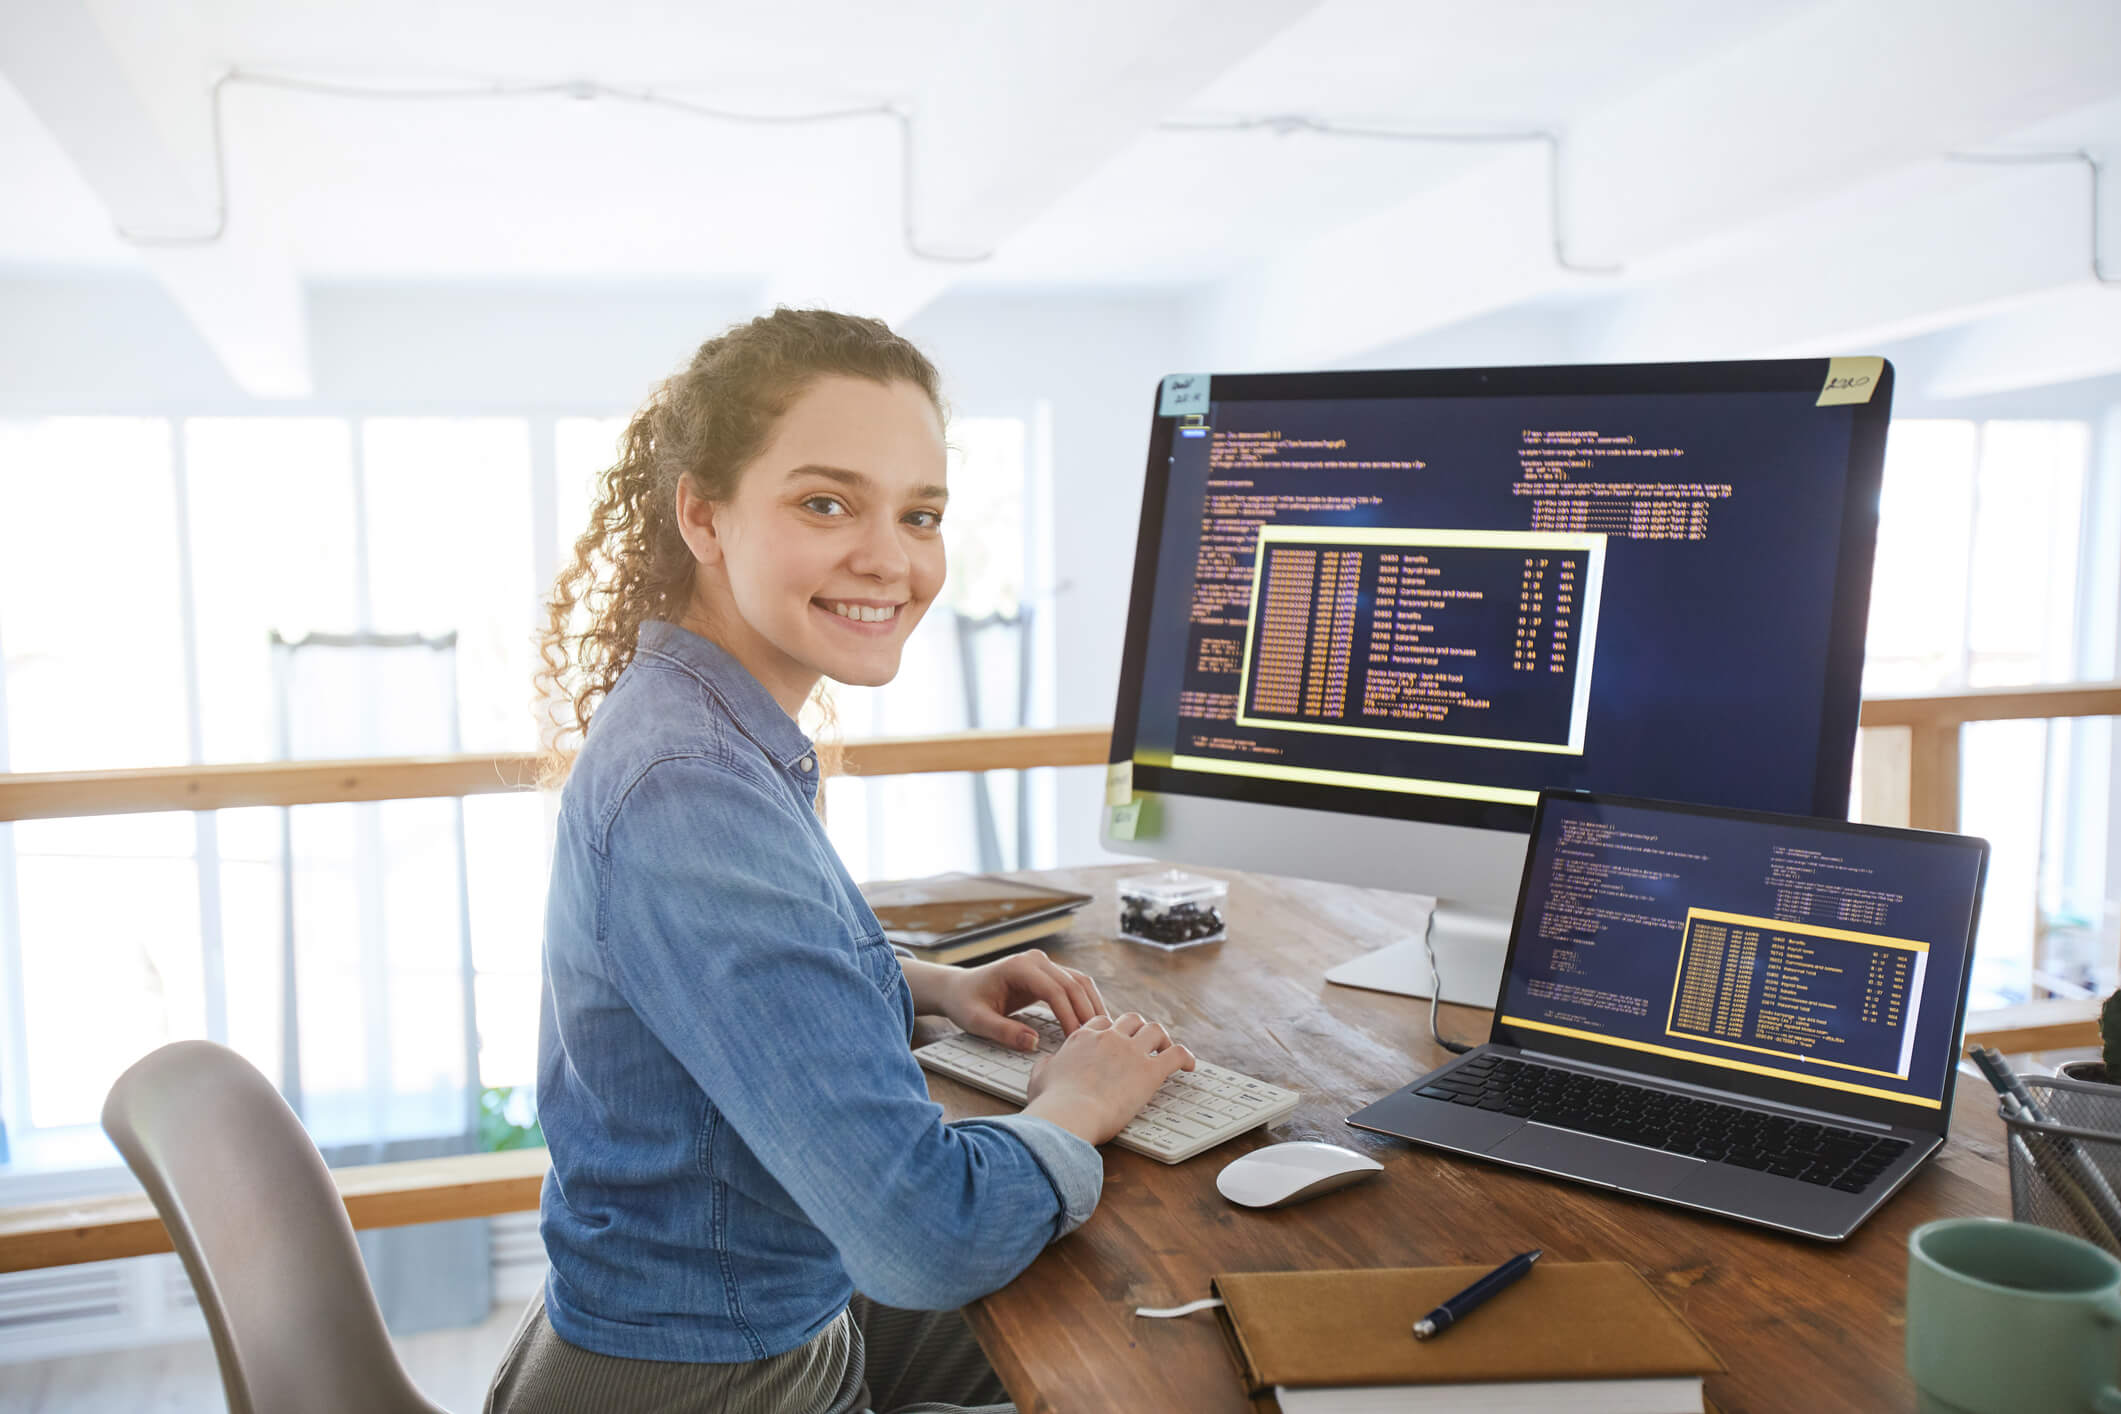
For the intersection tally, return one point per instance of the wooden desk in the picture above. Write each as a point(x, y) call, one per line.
point(1801, 1325)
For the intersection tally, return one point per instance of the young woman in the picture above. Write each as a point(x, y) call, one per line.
point(753, 1204)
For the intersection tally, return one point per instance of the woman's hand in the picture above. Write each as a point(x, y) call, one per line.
point(1103, 1074)
point(979, 999)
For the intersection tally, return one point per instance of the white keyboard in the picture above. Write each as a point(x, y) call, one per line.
point(1195, 1110)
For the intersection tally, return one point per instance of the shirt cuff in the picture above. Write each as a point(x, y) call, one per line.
point(1072, 1164)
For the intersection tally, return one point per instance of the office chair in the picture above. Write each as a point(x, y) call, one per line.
point(254, 1213)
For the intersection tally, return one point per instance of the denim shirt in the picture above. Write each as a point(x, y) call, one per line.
point(740, 1135)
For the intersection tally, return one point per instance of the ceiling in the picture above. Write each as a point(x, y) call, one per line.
point(1762, 178)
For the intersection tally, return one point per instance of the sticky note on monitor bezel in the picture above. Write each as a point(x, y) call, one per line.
point(1182, 393)
point(1850, 380)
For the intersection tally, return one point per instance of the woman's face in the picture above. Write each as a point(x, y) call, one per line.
point(832, 547)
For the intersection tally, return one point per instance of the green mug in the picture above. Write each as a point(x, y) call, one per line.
point(2008, 1318)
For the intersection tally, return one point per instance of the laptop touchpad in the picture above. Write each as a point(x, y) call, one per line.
point(1586, 1156)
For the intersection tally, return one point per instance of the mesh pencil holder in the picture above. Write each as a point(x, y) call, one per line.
point(2066, 1169)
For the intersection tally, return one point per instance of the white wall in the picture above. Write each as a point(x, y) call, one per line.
point(120, 345)
point(79, 344)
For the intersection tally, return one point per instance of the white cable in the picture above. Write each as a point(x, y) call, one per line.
point(578, 89)
point(2039, 158)
point(1165, 1313)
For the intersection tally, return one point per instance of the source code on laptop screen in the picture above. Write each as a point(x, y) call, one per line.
point(1826, 957)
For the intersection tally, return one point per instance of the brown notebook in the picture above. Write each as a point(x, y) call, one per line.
point(1563, 1321)
point(947, 911)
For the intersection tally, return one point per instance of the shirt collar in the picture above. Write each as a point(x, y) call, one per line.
point(749, 705)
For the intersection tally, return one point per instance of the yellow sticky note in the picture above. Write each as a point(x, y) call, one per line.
point(1119, 782)
point(1125, 818)
point(1850, 380)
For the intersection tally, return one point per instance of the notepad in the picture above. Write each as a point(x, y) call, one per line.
point(1579, 1336)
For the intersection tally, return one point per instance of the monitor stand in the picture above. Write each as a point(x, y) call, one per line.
point(1470, 944)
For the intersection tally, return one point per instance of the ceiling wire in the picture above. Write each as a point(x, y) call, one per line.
point(2092, 165)
point(1285, 124)
point(577, 89)
point(1282, 125)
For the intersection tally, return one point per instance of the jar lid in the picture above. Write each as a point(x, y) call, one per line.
point(1172, 886)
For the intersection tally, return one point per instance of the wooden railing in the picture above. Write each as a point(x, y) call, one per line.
point(1910, 764)
point(376, 1195)
point(71, 793)
point(1911, 744)
point(424, 1190)
point(1910, 776)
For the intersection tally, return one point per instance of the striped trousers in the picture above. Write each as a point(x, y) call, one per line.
point(871, 1359)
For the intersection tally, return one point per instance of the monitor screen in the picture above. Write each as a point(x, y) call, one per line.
point(1432, 595)
point(1809, 961)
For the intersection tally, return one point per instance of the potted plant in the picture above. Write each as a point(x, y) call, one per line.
point(2107, 1069)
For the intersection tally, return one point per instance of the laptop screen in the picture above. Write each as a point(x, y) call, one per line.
point(1808, 961)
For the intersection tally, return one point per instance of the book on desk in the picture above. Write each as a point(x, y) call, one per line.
point(1587, 1337)
point(957, 917)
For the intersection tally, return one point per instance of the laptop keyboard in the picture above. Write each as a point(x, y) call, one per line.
point(1824, 1154)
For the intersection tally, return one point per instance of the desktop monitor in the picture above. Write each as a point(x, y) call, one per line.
point(1375, 613)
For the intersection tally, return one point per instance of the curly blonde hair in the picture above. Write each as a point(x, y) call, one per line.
point(705, 425)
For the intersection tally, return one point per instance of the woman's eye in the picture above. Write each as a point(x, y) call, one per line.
point(824, 505)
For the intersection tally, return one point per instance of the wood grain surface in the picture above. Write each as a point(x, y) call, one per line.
point(1801, 1325)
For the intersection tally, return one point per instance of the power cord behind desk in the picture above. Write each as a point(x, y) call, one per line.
point(1428, 945)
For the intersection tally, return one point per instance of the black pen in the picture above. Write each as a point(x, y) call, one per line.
point(1455, 1310)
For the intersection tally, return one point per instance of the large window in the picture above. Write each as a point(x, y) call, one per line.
point(177, 591)
point(100, 918)
point(148, 565)
point(448, 518)
point(92, 626)
point(1982, 545)
point(186, 591)
point(274, 545)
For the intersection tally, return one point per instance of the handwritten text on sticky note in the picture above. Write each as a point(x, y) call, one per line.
point(1850, 380)
point(1182, 393)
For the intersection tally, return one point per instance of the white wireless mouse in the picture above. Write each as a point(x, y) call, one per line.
point(1281, 1174)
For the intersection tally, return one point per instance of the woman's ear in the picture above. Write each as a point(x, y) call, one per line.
point(697, 524)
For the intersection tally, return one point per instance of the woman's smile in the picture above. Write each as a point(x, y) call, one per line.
point(872, 618)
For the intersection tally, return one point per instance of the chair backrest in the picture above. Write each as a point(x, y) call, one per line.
point(254, 1213)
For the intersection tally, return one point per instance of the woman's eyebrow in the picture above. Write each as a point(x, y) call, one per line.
point(858, 481)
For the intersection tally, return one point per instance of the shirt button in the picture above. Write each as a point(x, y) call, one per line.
point(806, 765)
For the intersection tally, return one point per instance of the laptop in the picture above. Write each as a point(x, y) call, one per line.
point(1751, 1015)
